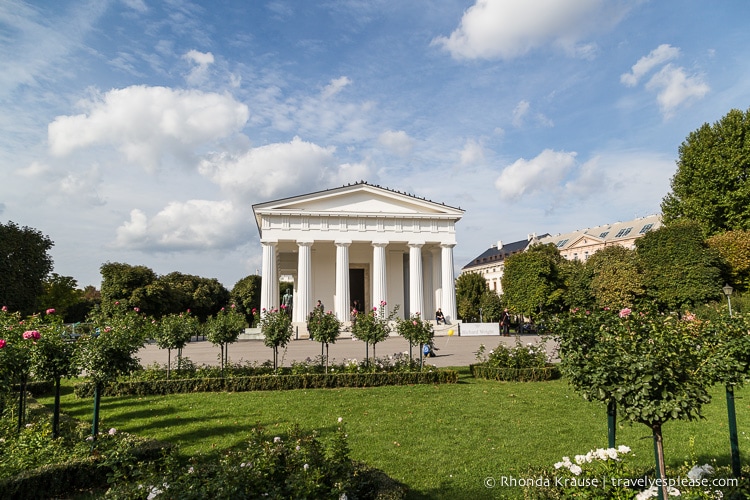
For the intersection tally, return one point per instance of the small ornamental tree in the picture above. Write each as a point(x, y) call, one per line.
point(323, 328)
point(53, 358)
point(19, 337)
point(373, 326)
point(276, 326)
point(223, 329)
point(174, 331)
point(654, 367)
point(416, 331)
point(109, 351)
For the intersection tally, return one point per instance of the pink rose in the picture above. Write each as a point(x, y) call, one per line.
point(5, 308)
point(414, 323)
point(137, 309)
point(117, 303)
point(233, 306)
point(624, 313)
point(31, 334)
point(2, 343)
point(50, 311)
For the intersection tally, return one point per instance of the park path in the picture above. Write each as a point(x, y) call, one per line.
point(451, 350)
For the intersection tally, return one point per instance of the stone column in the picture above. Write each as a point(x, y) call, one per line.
point(416, 290)
point(448, 299)
point(342, 301)
point(379, 276)
point(436, 281)
point(429, 305)
point(304, 282)
point(269, 295)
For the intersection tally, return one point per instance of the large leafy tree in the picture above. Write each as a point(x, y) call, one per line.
point(712, 183)
point(679, 269)
point(532, 282)
point(576, 277)
point(24, 264)
point(734, 248)
point(246, 295)
point(61, 293)
point(127, 285)
point(616, 277)
point(470, 287)
point(202, 296)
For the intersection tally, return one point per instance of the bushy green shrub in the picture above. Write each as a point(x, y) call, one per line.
point(521, 363)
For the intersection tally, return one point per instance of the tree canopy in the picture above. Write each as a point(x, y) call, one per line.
point(470, 287)
point(712, 183)
point(532, 281)
point(24, 264)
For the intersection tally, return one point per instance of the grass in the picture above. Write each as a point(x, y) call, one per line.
point(440, 440)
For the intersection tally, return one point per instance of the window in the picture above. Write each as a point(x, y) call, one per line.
point(561, 243)
point(623, 232)
point(646, 228)
point(604, 234)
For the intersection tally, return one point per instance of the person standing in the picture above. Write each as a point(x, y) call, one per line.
point(505, 323)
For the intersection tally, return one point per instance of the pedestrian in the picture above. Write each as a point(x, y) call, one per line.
point(505, 323)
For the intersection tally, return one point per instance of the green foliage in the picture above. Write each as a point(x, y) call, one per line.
point(323, 327)
point(532, 282)
point(712, 185)
point(123, 284)
point(60, 293)
point(415, 330)
point(246, 294)
point(616, 280)
point(225, 326)
point(734, 248)
point(110, 350)
point(655, 367)
point(24, 264)
point(276, 326)
point(373, 326)
point(492, 306)
point(576, 278)
point(470, 288)
point(201, 296)
point(175, 330)
point(518, 356)
point(679, 269)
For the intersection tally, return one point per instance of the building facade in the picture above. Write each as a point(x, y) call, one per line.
point(359, 245)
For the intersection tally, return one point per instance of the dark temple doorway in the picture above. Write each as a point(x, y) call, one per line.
point(357, 288)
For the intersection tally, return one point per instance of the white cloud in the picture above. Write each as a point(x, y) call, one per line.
point(199, 72)
point(190, 225)
point(335, 86)
point(674, 87)
point(656, 57)
point(138, 5)
point(147, 123)
point(397, 142)
point(543, 173)
point(520, 112)
point(508, 29)
point(472, 154)
point(277, 170)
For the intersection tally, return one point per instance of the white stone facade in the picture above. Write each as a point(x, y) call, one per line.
point(359, 242)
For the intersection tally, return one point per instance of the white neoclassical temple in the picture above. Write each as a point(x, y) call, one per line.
point(360, 243)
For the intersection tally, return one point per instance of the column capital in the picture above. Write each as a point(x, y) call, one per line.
point(269, 242)
point(303, 243)
point(343, 243)
point(447, 245)
point(415, 244)
point(382, 244)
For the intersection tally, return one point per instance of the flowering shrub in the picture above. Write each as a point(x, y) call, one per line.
point(323, 328)
point(373, 326)
point(174, 331)
point(224, 328)
point(416, 331)
point(519, 356)
point(276, 326)
point(605, 474)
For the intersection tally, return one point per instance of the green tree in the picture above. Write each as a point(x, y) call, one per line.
point(174, 331)
point(712, 183)
point(24, 264)
point(679, 269)
point(417, 331)
point(61, 293)
point(323, 327)
point(224, 328)
point(617, 281)
point(734, 248)
point(246, 294)
point(492, 306)
point(277, 330)
point(576, 277)
point(373, 327)
point(470, 287)
point(532, 282)
point(124, 284)
point(202, 296)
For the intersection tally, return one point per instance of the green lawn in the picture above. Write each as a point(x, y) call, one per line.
point(442, 441)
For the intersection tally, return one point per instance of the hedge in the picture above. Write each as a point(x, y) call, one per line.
point(268, 383)
point(540, 374)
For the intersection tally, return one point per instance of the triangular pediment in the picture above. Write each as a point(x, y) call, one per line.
point(359, 198)
point(585, 240)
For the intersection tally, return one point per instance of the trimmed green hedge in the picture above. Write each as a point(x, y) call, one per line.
point(549, 372)
point(269, 383)
point(60, 480)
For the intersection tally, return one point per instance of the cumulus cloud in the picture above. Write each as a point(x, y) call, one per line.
point(544, 172)
point(276, 170)
point(397, 142)
point(65, 187)
point(507, 29)
point(190, 225)
point(522, 113)
point(672, 84)
point(147, 123)
point(674, 87)
point(660, 55)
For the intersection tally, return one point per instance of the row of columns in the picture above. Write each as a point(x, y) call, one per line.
point(303, 303)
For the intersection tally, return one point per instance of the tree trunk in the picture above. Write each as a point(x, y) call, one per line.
point(611, 423)
point(661, 473)
point(56, 411)
point(326, 357)
point(22, 403)
point(169, 361)
point(97, 400)
point(733, 439)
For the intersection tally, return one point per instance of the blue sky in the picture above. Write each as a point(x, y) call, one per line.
point(142, 132)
